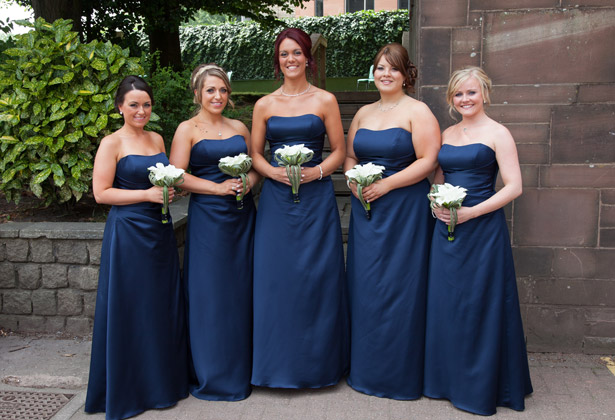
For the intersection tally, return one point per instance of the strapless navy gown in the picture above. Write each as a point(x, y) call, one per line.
point(139, 347)
point(387, 274)
point(475, 352)
point(300, 310)
point(218, 277)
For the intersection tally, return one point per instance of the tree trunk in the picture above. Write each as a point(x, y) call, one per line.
point(59, 9)
point(167, 42)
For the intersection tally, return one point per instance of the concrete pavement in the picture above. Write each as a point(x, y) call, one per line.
point(566, 386)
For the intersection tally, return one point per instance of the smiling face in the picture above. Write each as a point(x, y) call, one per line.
point(292, 60)
point(136, 108)
point(468, 98)
point(388, 77)
point(214, 95)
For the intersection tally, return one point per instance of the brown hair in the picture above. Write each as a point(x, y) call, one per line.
point(397, 56)
point(198, 79)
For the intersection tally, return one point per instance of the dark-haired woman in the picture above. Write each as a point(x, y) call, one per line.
point(300, 324)
point(388, 254)
point(219, 243)
point(139, 347)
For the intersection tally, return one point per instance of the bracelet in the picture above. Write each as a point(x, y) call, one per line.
point(320, 177)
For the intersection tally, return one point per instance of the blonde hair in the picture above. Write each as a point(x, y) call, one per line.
point(198, 79)
point(461, 76)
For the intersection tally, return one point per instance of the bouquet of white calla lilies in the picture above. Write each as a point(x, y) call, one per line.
point(165, 177)
point(450, 197)
point(364, 175)
point(237, 166)
point(292, 157)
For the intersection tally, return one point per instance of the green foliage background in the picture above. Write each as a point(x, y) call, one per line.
point(56, 104)
point(353, 40)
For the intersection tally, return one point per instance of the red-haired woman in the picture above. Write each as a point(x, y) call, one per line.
point(300, 323)
point(388, 254)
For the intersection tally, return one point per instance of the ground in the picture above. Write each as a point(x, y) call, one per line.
point(30, 209)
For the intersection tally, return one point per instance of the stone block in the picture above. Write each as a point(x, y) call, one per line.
point(508, 5)
point(552, 329)
point(44, 302)
point(70, 302)
point(63, 230)
point(79, 326)
point(435, 98)
point(578, 176)
point(607, 238)
point(444, 13)
point(533, 153)
point(466, 40)
point(461, 60)
point(532, 113)
point(530, 133)
point(83, 277)
point(530, 175)
point(529, 47)
point(583, 263)
point(8, 322)
point(54, 324)
point(41, 250)
point(602, 92)
point(71, 252)
point(600, 322)
point(583, 133)
point(574, 292)
point(607, 196)
point(8, 275)
point(89, 304)
point(607, 216)
point(94, 248)
point(2, 251)
point(29, 276)
point(546, 218)
point(533, 261)
point(32, 324)
point(525, 287)
point(435, 56)
point(17, 302)
point(534, 94)
point(54, 276)
point(577, 3)
point(599, 345)
point(17, 250)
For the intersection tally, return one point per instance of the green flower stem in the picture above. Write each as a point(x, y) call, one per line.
point(451, 226)
point(366, 206)
point(165, 204)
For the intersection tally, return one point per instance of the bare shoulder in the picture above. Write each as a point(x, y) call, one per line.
point(499, 131)
point(326, 97)
point(238, 126)
point(417, 107)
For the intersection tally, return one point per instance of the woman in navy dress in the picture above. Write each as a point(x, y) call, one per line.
point(475, 352)
point(219, 243)
point(388, 254)
point(300, 311)
point(139, 347)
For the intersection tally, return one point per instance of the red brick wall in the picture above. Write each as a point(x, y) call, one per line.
point(336, 7)
point(553, 66)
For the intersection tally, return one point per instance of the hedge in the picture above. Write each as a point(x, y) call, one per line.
point(353, 39)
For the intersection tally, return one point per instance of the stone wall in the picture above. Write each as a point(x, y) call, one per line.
point(553, 67)
point(49, 273)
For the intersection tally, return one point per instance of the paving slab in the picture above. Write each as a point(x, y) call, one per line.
point(566, 386)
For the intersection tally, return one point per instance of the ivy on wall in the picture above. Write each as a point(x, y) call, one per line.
point(353, 39)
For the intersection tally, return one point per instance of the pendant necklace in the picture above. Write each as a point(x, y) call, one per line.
point(295, 94)
point(202, 130)
point(382, 109)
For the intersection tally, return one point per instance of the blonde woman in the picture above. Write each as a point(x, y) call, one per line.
point(475, 352)
point(219, 243)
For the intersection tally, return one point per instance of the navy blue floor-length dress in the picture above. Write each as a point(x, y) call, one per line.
point(218, 278)
point(387, 274)
point(300, 309)
point(475, 352)
point(139, 347)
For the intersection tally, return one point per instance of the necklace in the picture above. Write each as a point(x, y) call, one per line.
point(296, 94)
point(382, 109)
point(202, 130)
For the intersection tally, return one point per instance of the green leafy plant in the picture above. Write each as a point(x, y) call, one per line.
point(56, 104)
point(246, 48)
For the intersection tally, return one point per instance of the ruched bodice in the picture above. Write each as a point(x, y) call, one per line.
point(473, 167)
point(300, 319)
point(305, 129)
point(387, 274)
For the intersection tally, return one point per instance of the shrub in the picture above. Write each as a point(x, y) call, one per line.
point(56, 103)
point(353, 39)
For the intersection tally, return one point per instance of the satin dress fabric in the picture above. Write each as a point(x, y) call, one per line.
point(218, 277)
point(300, 303)
point(475, 353)
point(387, 274)
point(139, 348)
